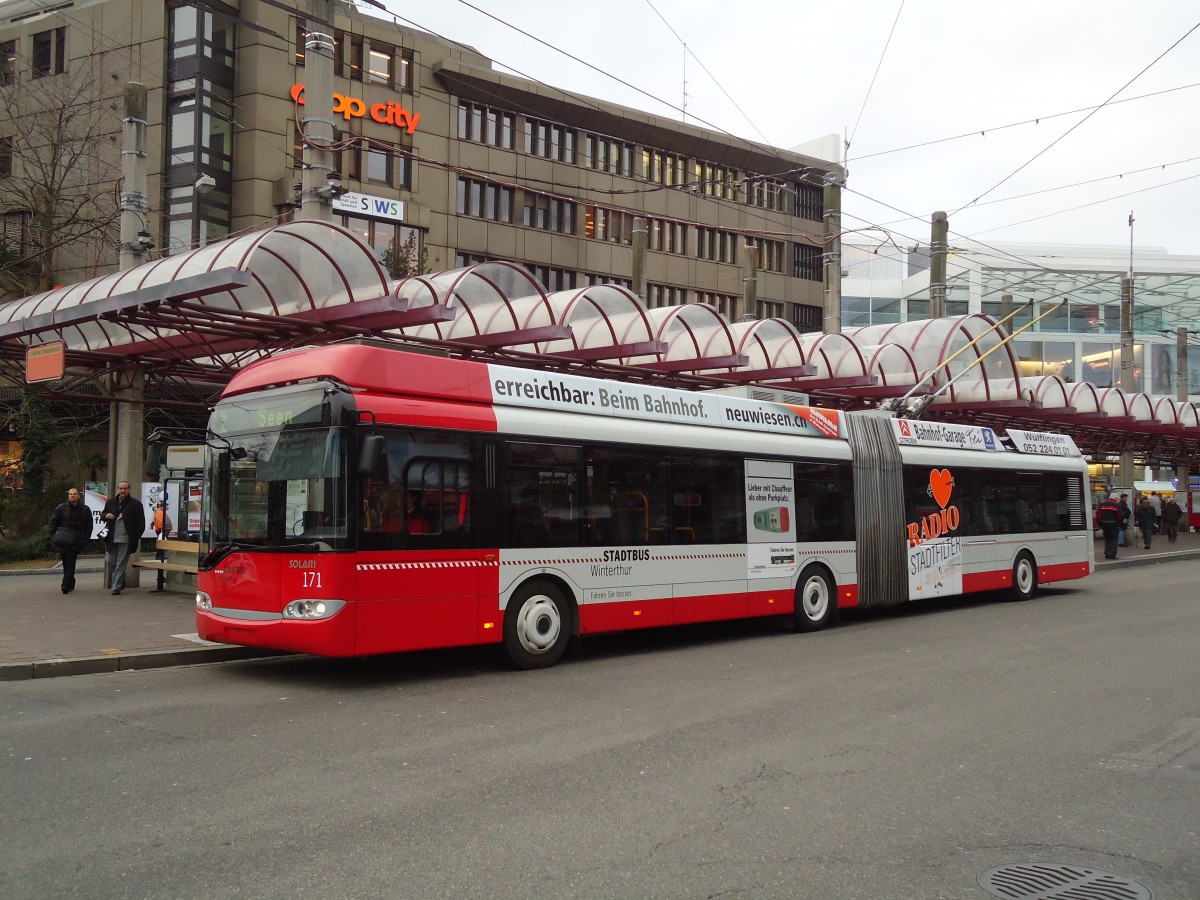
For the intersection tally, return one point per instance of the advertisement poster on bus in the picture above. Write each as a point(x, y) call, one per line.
point(770, 519)
point(935, 559)
point(571, 393)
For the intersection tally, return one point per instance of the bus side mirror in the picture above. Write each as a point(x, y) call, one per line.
point(372, 461)
point(153, 459)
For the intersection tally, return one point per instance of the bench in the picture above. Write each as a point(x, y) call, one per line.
point(163, 566)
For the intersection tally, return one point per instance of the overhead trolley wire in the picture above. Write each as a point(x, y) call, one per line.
point(1080, 122)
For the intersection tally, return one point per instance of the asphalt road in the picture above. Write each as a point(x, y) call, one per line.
point(897, 756)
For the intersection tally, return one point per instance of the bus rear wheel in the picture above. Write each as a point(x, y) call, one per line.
point(816, 600)
point(1024, 577)
point(537, 625)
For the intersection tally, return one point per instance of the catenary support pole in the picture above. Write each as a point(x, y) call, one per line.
point(1181, 364)
point(316, 120)
point(832, 255)
point(1127, 455)
point(939, 232)
point(640, 240)
point(749, 283)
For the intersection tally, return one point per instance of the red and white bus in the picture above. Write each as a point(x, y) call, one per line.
point(364, 499)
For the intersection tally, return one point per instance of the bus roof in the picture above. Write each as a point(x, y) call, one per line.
point(403, 372)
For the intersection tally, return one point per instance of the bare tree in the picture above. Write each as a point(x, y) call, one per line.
point(59, 204)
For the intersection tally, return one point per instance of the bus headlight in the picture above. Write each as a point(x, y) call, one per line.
point(203, 602)
point(311, 610)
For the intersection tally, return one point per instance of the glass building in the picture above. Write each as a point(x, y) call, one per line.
point(1081, 341)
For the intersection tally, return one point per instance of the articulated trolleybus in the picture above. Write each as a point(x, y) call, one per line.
point(365, 499)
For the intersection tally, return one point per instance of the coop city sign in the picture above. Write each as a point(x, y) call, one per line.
point(390, 113)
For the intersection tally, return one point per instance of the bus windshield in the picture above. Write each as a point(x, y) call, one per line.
point(279, 486)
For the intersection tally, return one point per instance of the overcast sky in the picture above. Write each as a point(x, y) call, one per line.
point(789, 71)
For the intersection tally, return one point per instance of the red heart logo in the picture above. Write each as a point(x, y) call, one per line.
point(941, 483)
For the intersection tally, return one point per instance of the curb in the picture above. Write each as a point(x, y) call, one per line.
point(1135, 560)
point(55, 569)
point(127, 662)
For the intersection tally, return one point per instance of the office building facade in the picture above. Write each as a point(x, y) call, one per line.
point(445, 160)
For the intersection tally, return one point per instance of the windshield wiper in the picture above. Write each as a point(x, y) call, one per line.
point(221, 550)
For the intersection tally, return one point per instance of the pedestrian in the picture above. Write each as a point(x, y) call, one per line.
point(1156, 504)
point(162, 522)
point(1126, 515)
point(126, 520)
point(1146, 520)
point(1108, 515)
point(1172, 513)
point(71, 529)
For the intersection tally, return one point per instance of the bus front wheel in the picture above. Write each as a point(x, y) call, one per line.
point(537, 625)
point(816, 600)
point(1024, 577)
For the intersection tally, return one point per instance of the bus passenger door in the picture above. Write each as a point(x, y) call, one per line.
point(422, 589)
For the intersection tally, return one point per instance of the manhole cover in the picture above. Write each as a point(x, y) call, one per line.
point(1053, 881)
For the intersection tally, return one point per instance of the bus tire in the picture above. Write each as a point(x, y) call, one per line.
point(1024, 577)
point(537, 625)
point(816, 599)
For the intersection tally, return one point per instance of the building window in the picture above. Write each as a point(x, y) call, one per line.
point(612, 225)
point(485, 200)
point(807, 318)
point(667, 236)
point(16, 232)
point(807, 262)
point(379, 163)
point(770, 309)
point(658, 295)
point(809, 201)
point(549, 141)
point(590, 278)
point(485, 125)
point(725, 304)
point(767, 193)
point(379, 65)
point(715, 181)
point(462, 259)
point(6, 157)
point(8, 62)
point(768, 253)
point(404, 68)
point(199, 138)
point(661, 167)
point(716, 245)
point(555, 279)
point(50, 52)
point(607, 155)
point(399, 248)
point(549, 213)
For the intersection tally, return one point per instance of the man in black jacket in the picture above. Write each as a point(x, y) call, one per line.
point(1108, 516)
point(126, 520)
point(73, 516)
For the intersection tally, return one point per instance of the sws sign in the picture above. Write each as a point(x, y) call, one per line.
point(390, 113)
